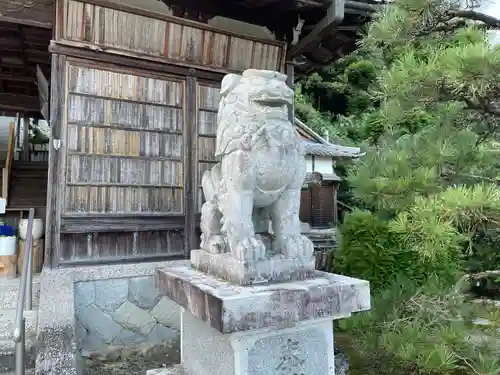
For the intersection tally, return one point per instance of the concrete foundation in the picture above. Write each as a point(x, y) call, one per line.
point(66, 296)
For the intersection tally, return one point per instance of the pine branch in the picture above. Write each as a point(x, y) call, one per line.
point(452, 20)
point(449, 15)
point(485, 106)
point(481, 178)
point(492, 22)
point(459, 286)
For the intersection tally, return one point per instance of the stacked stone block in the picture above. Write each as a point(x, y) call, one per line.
point(123, 312)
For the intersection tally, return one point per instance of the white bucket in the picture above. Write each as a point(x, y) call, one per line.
point(8, 246)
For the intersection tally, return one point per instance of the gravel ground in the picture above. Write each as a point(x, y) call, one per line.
point(131, 361)
point(137, 360)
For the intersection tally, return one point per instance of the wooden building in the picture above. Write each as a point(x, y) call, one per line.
point(133, 101)
point(318, 205)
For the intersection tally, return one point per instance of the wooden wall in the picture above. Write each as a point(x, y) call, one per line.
point(122, 162)
point(134, 148)
point(113, 28)
point(137, 123)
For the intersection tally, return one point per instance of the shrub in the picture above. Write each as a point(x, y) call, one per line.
point(368, 250)
point(423, 330)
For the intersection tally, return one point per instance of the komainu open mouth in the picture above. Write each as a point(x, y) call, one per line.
point(271, 100)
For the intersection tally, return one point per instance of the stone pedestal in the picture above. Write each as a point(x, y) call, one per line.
point(253, 302)
point(267, 329)
point(276, 268)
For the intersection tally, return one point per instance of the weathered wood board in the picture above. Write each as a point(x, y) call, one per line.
point(154, 36)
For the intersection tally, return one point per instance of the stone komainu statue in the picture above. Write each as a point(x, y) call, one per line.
point(260, 175)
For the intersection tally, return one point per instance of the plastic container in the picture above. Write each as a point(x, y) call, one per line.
point(7, 231)
point(8, 245)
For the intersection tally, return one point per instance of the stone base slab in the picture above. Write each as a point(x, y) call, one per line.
point(275, 269)
point(230, 308)
point(174, 370)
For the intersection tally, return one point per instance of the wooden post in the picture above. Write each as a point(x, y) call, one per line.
point(37, 255)
point(55, 181)
point(26, 150)
point(8, 163)
point(18, 133)
point(190, 160)
point(335, 206)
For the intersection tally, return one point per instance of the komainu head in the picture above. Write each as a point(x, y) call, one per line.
point(250, 101)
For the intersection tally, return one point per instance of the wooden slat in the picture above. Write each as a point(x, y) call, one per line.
point(122, 86)
point(101, 170)
point(120, 223)
point(162, 38)
point(103, 247)
point(114, 141)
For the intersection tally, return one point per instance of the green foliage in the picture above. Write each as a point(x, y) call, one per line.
point(360, 74)
point(368, 250)
point(340, 94)
point(421, 96)
point(317, 121)
point(459, 211)
point(426, 328)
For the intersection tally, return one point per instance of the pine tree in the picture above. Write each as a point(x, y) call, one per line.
point(431, 127)
point(428, 186)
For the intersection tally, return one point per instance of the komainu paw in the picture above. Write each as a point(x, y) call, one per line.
point(250, 250)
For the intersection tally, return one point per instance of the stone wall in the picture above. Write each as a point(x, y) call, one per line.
point(123, 312)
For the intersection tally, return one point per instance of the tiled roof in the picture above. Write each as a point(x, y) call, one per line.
point(318, 146)
point(319, 149)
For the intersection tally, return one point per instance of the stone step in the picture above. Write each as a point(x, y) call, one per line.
point(7, 318)
point(9, 292)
